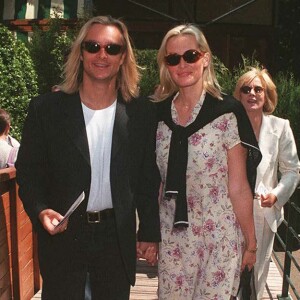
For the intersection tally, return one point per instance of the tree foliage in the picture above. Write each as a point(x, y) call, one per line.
point(18, 79)
point(146, 59)
point(48, 50)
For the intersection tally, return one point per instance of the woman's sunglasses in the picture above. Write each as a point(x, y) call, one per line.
point(247, 89)
point(94, 47)
point(190, 56)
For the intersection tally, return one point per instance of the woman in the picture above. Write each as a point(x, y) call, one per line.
point(257, 92)
point(207, 225)
point(8, 145)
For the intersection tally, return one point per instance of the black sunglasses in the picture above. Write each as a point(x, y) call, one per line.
point(94, 47)
point(190, 56)
point(247, 89)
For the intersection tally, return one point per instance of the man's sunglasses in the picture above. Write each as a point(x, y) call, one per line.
point(190, 56)
point(247, 89)
point(94, 47)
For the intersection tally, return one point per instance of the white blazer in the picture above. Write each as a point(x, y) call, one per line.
point(279, 160)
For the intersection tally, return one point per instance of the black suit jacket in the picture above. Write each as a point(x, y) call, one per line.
point(53, 168)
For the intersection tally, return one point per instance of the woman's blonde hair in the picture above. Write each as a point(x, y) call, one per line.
point(128, 77)
point(268, 85)
point(167, 86)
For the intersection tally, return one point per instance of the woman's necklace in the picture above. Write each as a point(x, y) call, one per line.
point(184, 106)
point(184, 111)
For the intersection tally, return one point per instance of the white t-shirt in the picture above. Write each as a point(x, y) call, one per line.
point(99, 127)
point(8, 151)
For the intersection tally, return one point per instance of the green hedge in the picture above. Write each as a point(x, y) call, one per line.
point(146, 59)
point(289, 101)
point(48, 50)
point(18, 80)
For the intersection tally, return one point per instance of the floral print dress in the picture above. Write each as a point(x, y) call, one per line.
point(202, 261)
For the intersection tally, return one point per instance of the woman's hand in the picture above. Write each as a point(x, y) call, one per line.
point(268, 200)
point(249, 259)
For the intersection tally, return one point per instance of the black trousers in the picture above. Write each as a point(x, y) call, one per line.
point(98, 254)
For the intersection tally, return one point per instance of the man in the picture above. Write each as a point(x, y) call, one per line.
point(91, 136)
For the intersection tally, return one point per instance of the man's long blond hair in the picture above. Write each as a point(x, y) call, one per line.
point(128, 77)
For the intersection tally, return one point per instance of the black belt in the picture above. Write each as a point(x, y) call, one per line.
point(99, 216)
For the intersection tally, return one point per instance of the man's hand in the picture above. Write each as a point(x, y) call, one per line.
point(49, 219)
point(148, 251)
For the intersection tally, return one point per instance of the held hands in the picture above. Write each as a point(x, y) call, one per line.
point(147, 251)
point(49, 219)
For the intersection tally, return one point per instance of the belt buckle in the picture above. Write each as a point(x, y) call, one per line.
point(93, 217)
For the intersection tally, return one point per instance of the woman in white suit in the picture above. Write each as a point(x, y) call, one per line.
point(257, 92)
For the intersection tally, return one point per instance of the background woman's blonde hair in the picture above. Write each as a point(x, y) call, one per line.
point(269, 86)
point(167, 86)
point(128, 77)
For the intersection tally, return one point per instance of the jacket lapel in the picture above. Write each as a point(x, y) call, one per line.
point(120, 133)
point(74, 123)
point(266, 138)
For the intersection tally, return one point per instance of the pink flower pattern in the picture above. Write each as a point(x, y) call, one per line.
point(202, 261)
point(196, 139)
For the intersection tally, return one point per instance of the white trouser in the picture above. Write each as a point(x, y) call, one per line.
point(265, 241)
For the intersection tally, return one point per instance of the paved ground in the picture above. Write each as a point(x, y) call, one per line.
point(146, 283)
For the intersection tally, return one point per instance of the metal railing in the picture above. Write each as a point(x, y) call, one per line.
point(288, 239)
